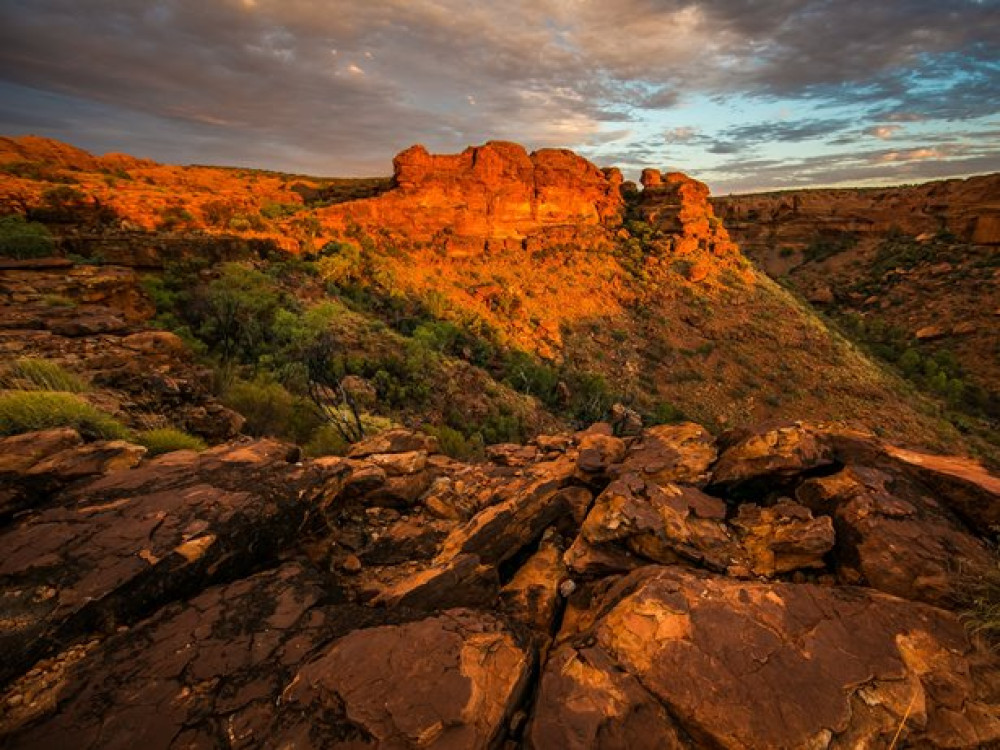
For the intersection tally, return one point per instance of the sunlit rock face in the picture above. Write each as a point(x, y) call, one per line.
point(494, 196)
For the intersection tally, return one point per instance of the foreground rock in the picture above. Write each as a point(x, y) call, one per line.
point(125, 544)
point(585, 591)
point(700, 661)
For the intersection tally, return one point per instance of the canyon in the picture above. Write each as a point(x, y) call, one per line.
point(615, 485)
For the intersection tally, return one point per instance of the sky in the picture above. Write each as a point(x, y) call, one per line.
point(743, 94)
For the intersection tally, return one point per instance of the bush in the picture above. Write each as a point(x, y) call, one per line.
point(326, 441)
point(665, 413)
point(168, 439)
point(979, 602)
point(270, 410)
point(40, 375)
point(456, 445)
point(23, 239)
point(26, 411)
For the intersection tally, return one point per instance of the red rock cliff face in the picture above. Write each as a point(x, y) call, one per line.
point(495, 196)
point(675, 203)
point(969, 209)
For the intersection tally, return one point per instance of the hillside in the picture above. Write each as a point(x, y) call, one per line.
point(541, 271)
point(912, 273)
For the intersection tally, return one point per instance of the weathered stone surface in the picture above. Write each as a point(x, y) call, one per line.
point(132, 540)
point(394, 480)
point(509, 454)
point(532, 596)
point(18, 454)
point(898, 537)
point(740, 665)
point(394, 441)
point(445, 682)
point(210, 672)
point(965, 485)
point(587, 702)
point(93, 459)
point(770, 455)
point(783, 537)
point(459, 581)
point(672, 453)
point(598, 453)
point(500, 531)
point(665, 523)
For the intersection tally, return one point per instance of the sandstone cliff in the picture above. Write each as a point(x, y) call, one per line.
point(490, 197)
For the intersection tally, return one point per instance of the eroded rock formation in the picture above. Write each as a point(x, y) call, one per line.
point(583, 591)
point(490, 197)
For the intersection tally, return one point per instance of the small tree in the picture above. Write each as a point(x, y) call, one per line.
point(335, 403)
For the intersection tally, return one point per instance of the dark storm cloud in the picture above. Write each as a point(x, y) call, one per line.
point(339, 87)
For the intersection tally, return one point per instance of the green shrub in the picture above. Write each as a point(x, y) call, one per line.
point(168, 439)
point(665, 413)
point(326, 441)
point(25, 411)
point(271, 410)
point(23, 239)
point(826, 246)
point(453, 443)
point(40, 375)
point(979, 602)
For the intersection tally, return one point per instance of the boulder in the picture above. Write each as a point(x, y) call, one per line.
point(394, 441)
point(672, 453)
point(899, 538)
point(501, 530)
point(746, 665)
point(770, 456)
point(450, 681)
point(664, 523)
point(783, 537)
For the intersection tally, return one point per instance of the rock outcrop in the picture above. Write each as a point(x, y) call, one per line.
point(490, 197)
point(679, 205)
point(583, 591)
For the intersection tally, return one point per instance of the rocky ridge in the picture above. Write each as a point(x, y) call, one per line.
point(785, 586)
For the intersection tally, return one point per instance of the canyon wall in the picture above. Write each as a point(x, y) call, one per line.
point(968, 209)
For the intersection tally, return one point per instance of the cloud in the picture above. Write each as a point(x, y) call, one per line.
point(681, 135)
point(884, 132)
point(309, 86)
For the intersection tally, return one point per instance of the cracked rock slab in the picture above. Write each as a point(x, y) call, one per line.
point(449, 681)
point(752, 665)
point(114, 549)
point(209, 672)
